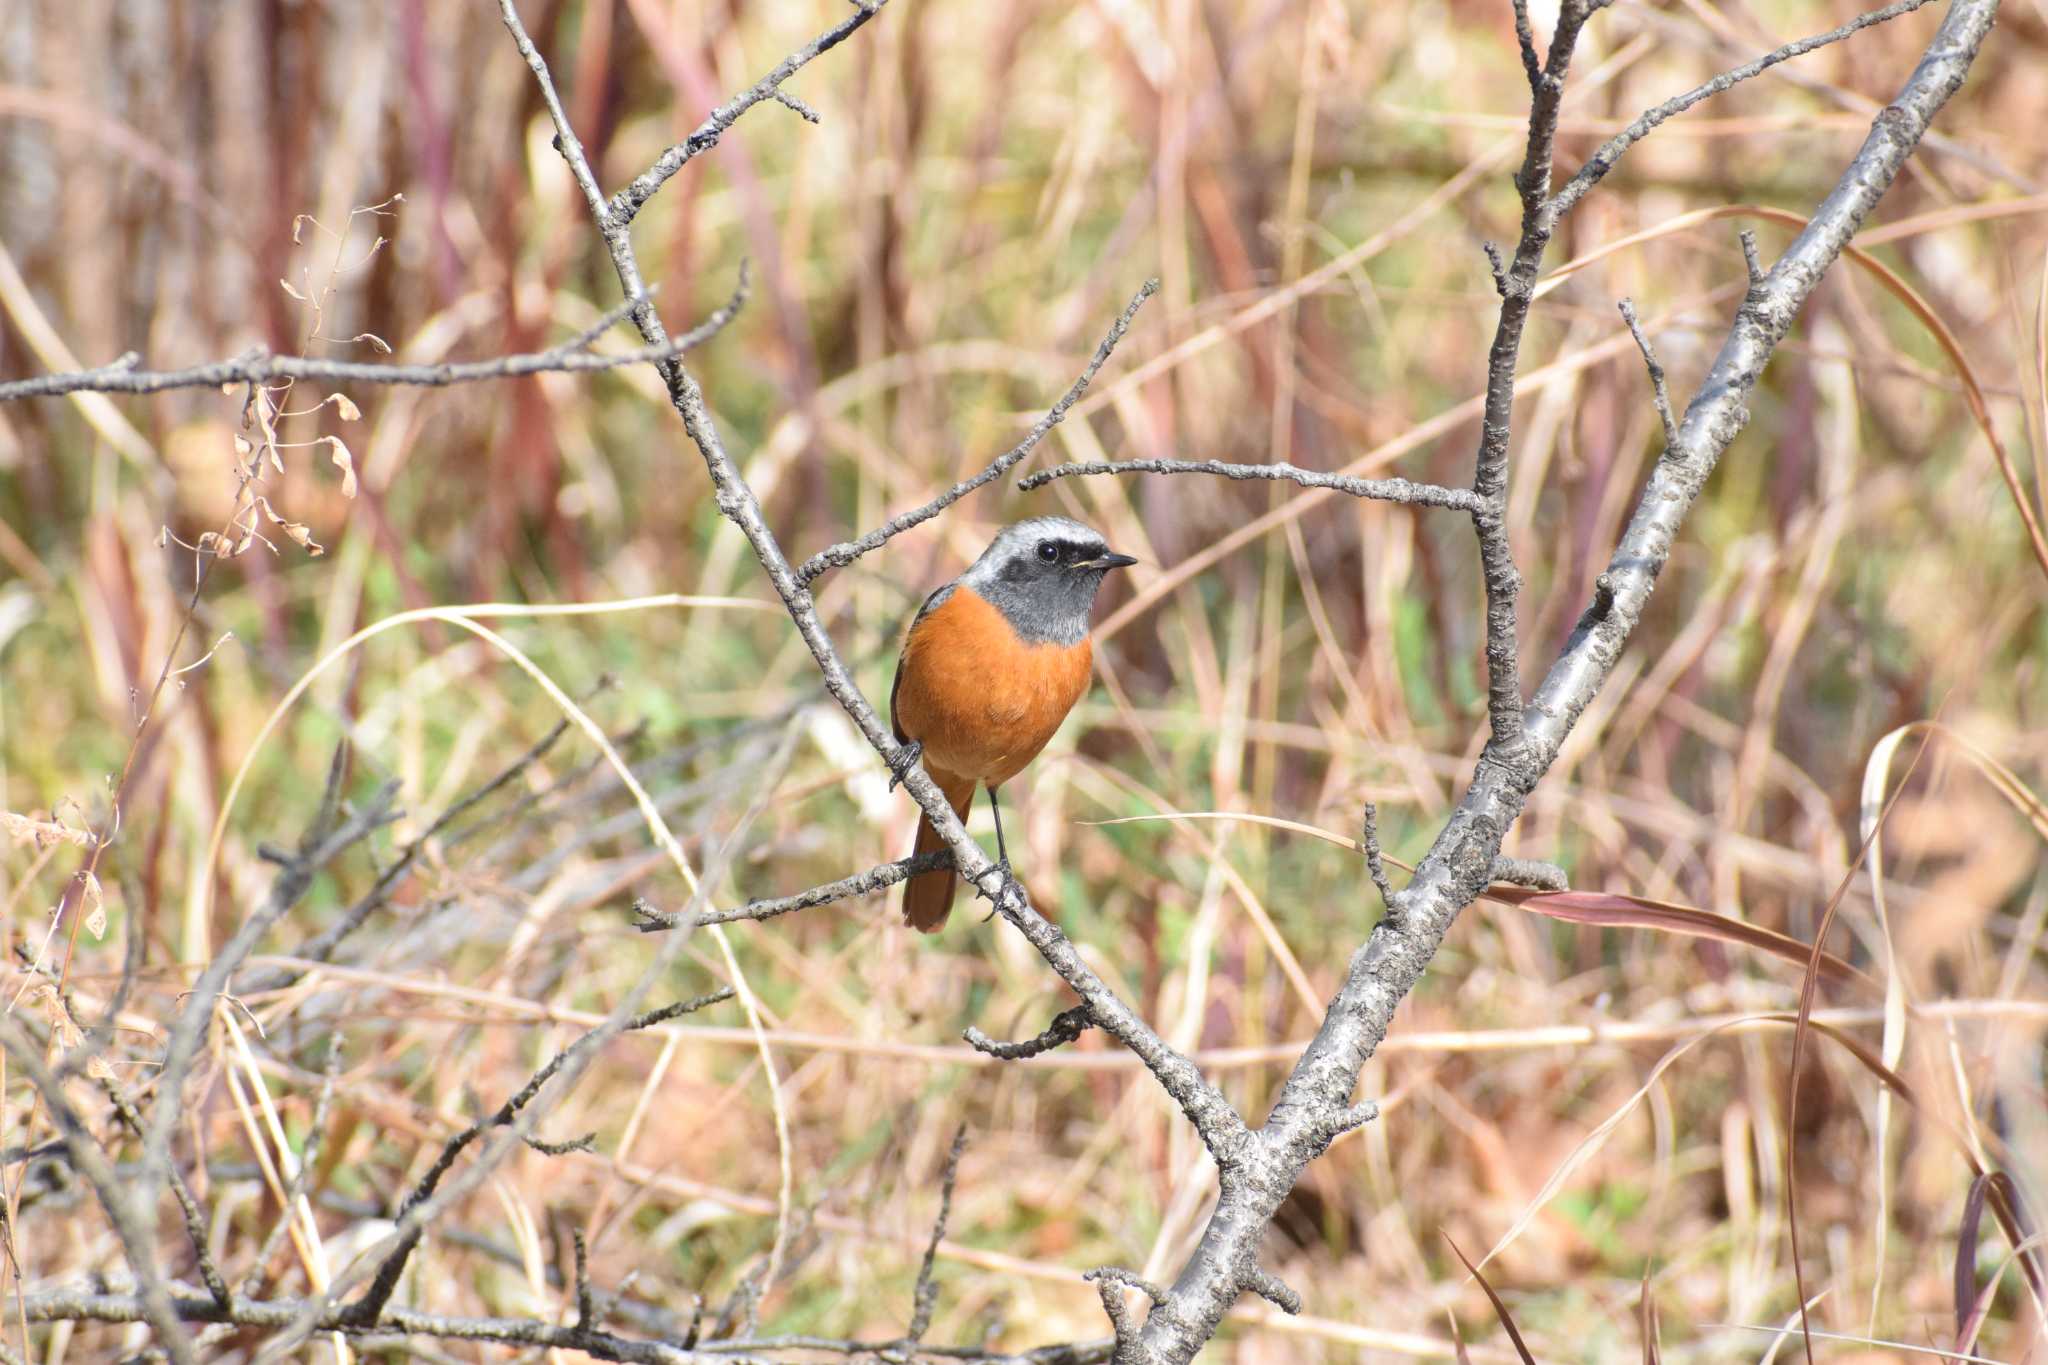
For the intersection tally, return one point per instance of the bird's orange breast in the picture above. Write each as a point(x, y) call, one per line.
point(982, 699)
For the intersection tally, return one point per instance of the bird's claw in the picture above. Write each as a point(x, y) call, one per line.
point(904, 759)
point(1010, 883)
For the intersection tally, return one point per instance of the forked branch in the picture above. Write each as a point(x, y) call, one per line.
point(1258, 1168)
point(1220, 1127)
point(1464, 855)
point(839, 556)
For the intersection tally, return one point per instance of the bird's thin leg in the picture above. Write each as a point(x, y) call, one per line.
point(1002, 854)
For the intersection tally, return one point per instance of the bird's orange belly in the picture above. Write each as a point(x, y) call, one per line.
point(981, 700)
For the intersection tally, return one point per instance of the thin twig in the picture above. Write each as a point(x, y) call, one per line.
point(1375, 861)
point(586, 1314)
point(324, 841)
point(1272, 1289)
point(565, 136)
point(188, 1206)
point(926, 1297)
point(843, 554)
point(1516, 284)
point(1352, 1117)
point(1381, 490)
point(1525, 38)
point(1530, 872)
point(365, 1310)
point(1659, 394)
point(649, 920)
point(322, 945)
point(135, 1228)
point(629, 201)
point(1610, 152)
point(1065, 1027)
point(258, 366)
point(802, 110)
point(1751, 261)
point(1110, 1282)
point(1502, 285)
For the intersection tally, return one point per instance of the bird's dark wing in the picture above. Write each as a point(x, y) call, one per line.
point(936, 599)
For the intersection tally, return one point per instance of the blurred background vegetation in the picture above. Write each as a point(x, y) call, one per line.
point(1311, 182)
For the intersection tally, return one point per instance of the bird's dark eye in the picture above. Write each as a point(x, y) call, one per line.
point(1048, 551)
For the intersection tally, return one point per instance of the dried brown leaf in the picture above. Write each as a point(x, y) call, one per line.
point(344, 462)
point(298, 531)
point(34, 829)
point(93, 901)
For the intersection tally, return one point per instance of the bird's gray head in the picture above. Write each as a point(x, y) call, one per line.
point(1042, 575)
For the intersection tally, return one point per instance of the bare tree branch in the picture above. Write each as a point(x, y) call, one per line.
point(188, 1207)
point(1219, 1126)
point(1269, 1287)
point(398, 1324)
point(327, 837)
point(1375, 861)
point(1381, 490)
point(649, 920)
point(1516, 284)
point(841, 555)
point(1257, 1169)
point(258, 366)
point(365, 1310)
point(134, 1223)
point(1601, 162)
point(1530, 872)
point(1065, 1027)
point(627, 203)
point(1659, 394)
point(926, 1296)
point(1461, 860)
point(1111, 1282)
point(394, 1326)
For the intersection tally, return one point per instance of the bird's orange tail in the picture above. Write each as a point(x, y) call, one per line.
point(928, 897)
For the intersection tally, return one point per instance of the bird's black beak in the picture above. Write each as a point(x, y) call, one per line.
point(1108, 559)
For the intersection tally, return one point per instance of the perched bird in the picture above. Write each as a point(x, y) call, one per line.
point(992, 663)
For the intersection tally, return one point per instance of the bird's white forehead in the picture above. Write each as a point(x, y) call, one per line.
point(1029, 533)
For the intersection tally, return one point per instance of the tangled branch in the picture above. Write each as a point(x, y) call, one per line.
point(1257, 1167)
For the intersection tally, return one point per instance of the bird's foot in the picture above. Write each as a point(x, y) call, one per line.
point(904, 759)
point(1010, 883)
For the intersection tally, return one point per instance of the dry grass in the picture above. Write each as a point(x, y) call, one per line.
point(1311, 182)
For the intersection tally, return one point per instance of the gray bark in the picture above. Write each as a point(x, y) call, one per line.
point(1456, 868)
